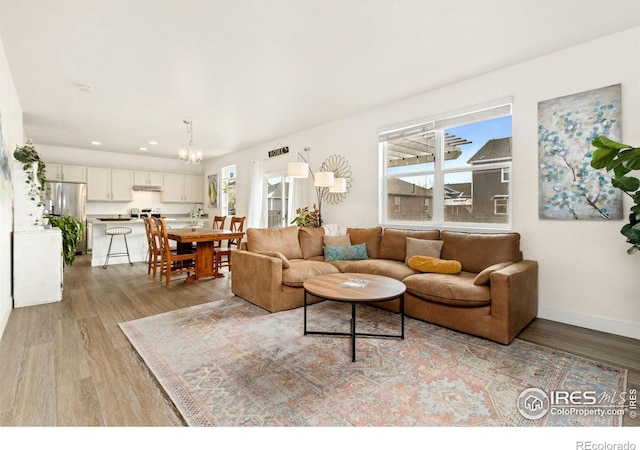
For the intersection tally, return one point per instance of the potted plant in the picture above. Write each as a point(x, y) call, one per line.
point(621, 159)
point(72, 231)
point(306, 218)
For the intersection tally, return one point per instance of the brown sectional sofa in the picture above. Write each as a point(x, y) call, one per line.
point(494, 296)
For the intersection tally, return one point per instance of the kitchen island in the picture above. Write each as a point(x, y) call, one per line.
point(137, 240)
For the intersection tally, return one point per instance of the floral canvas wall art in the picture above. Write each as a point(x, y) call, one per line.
point(569, 188)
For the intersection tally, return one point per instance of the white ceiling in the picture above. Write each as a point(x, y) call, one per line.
point(249, 71)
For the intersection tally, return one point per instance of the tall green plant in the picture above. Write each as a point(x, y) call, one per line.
point(72, 231)
point(621, 159)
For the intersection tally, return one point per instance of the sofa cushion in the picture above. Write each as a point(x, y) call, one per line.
point(342, 240)
point(332, 253)
point(393, 245)
point(285, 261)
point(311, 241)
point(370, 236)
point(477, 251)
point(455, 290)
point(483, 277)
point(434, 265)
point(300, 270)
point(283, 240)
point(422, 247)
point(385, 267)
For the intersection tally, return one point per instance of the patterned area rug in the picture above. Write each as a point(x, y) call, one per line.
point(229, 363)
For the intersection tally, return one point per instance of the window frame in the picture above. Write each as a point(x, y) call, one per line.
point(438, 124)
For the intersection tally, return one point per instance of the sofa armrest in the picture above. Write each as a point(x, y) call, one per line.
point(256, 277)
point(514, 297)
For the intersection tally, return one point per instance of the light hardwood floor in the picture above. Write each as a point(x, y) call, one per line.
point(68, 363)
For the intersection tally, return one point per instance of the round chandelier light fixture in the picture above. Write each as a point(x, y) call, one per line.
point(190, 155)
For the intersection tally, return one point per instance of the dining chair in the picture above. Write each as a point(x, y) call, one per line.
point(173, 261)
point(218, 224)
point(222, 255)
point(154, 254)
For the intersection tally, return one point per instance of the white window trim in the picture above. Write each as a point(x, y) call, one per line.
point(437, 123)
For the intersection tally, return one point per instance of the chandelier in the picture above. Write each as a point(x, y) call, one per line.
point(190, 155)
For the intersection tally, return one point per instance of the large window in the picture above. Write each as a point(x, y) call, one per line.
point(451, 170)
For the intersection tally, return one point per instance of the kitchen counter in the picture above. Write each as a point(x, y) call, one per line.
point(136, 241)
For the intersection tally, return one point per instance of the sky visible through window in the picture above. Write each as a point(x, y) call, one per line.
point(479, 133)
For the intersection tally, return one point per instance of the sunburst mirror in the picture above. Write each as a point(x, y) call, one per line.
point(341, 169)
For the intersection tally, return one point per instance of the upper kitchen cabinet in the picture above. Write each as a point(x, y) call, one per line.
point(63, 172)
point(144, 178)
point(109, 185)
point(182, 188)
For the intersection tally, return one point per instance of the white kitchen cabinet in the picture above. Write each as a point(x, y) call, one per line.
point(182, 188)
point(144, 178)
point(109, 185)
point(63, 172)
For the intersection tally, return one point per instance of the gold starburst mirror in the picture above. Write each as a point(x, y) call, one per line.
point(342, 176)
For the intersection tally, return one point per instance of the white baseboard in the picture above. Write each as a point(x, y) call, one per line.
point(627, 329)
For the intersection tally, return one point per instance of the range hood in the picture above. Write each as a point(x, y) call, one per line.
point(144, 187)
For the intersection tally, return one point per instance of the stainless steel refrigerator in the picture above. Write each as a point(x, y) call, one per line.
point(63, 199)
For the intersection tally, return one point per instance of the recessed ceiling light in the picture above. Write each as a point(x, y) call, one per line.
point(144, 149)
point(96, 143)
point(85, 88)
point(153, 143)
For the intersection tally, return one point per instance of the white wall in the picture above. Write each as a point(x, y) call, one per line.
point(95, 158)
point(12, 135)
point(586, 277)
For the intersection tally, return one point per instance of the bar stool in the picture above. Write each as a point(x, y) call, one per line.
point(117, 231)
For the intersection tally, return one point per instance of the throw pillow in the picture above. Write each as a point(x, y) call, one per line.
point(483, 277)
point(337, 241)
point(434, 265)
point(285, 261)
point(283, 240)
point(423, 247)
point(358, 251)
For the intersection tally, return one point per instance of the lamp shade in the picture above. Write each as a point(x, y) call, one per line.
point(298, 170)
point(323, 179)
point(339, 185)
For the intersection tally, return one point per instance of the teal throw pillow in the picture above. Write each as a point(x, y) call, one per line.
point(332, 253)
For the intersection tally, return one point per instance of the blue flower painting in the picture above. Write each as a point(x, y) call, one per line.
point(569, 188)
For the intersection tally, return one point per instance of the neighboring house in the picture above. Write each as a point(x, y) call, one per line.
point(490, 196)
point(408, 201)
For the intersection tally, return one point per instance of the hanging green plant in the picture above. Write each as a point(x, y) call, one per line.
point(27, 155)
point(72, 231)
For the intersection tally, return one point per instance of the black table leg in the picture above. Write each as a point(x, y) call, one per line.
point(353, 332)
point(305, 312)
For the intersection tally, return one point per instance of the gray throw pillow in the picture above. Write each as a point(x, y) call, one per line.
point(423, 247)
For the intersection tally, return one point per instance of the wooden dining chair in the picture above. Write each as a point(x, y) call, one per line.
point(222, 255)
point(154, 253)
point(173, 261)
point(218, 224)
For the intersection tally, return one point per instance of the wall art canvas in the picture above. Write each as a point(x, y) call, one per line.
point(6, 188)
point(569, 188)
point(213, 190)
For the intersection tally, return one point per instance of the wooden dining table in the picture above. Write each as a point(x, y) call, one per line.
point(205, 239)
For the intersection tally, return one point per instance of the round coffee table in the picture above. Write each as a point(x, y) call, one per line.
point(355, 288)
